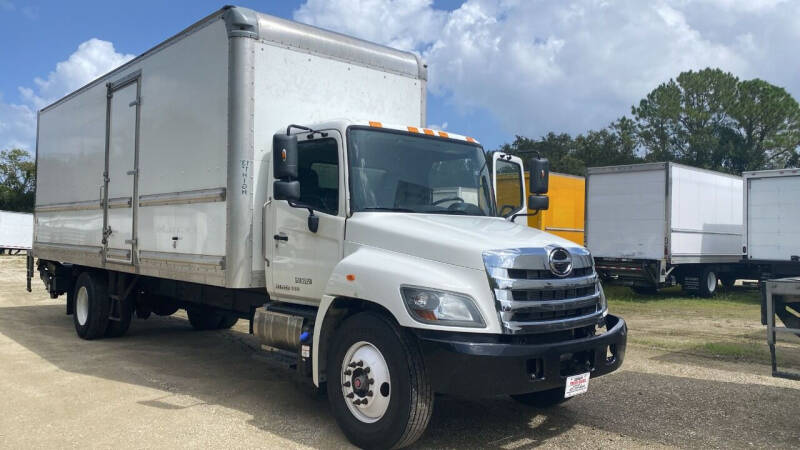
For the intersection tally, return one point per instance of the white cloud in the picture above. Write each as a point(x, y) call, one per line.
point(572, 65)
point(92, 59)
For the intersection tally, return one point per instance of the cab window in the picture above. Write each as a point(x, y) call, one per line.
point(318, 173)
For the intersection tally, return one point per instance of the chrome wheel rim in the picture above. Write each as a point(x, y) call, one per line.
point(711, 281)
point(366, 383)
point(82, 305)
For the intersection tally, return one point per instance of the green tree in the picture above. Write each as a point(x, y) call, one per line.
point(17, 180)
point(614, 145)
point(711, 119)
point(680, 120)
point(764, 128)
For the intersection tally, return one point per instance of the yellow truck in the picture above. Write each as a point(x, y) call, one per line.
point(567, 205)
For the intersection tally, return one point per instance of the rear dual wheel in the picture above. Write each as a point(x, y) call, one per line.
point(91, 306)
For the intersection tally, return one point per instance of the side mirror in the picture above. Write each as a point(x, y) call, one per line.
point(539, 176)
point(286, 190)
point(538, 202)
point(284, 158)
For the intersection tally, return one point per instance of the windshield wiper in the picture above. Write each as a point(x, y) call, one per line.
point(382, 208)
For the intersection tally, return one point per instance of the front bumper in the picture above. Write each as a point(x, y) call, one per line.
point(459, 365)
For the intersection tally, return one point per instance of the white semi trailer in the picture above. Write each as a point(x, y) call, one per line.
point(16, 231)
point(658, 224)
point(227, 172)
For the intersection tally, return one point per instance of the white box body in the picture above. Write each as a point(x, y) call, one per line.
point(16, 230)
point(664, 211)
point(189, 126)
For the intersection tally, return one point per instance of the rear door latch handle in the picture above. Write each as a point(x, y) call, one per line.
point(278, 237)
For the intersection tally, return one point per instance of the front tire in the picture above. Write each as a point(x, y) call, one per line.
point(91, 306)
point(542, 399)
point(378, 389)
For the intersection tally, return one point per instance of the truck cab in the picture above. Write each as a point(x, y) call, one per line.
point(385, 227)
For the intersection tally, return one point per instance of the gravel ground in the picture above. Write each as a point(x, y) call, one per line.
point(164, 386)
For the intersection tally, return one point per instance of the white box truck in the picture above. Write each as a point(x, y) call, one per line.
point(659, 224)
point(16, 231)
point(230, 172)
point(771, 238)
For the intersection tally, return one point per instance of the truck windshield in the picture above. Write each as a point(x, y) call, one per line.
point(396, 171)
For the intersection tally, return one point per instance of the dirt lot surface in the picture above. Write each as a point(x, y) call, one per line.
point(690, 379)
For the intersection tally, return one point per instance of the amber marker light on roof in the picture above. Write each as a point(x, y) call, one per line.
point(428, 132)
point(375, 124)
point(413, 129)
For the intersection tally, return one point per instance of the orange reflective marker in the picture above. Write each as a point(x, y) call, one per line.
point(350, 277)
point(469, 139)
point(413, 129)
point(375, 124)
point(443, 134)
point(428, 132)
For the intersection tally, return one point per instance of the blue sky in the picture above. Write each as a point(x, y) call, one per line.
point(35, 35)
point(496, 68)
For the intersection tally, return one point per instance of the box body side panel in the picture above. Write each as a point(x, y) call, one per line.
point(182, 158)
point(706, 215)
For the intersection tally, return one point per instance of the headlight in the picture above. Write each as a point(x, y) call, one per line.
point(441, 307)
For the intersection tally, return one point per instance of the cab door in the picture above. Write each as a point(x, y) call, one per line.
point(302, 260)
point(508, 178)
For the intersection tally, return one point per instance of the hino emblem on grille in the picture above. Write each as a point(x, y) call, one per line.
point(560, 262)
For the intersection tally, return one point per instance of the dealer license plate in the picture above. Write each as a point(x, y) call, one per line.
point(576, 384)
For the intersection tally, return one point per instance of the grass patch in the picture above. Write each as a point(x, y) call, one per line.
point(672, 303)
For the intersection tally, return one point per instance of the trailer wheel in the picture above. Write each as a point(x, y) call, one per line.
point(542, 399)
point(378, 389)
point(708, 282)
point(91, 306)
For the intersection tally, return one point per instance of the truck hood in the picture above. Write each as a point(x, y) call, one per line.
point(458, 240)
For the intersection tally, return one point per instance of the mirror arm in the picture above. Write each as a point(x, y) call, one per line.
point(514, 216)
point(313, 219)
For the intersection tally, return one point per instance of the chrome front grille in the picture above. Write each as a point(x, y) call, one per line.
point(531, 298)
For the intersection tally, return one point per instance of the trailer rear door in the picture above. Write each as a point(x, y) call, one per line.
point(626, 211)
point(773, 215)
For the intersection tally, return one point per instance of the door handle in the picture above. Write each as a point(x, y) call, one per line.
point(278, 237)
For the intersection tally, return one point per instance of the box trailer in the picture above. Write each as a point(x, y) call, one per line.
point(565, 215)
point(658, 224)
point(16, 231)
point(771, 239)
point(256, 168)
